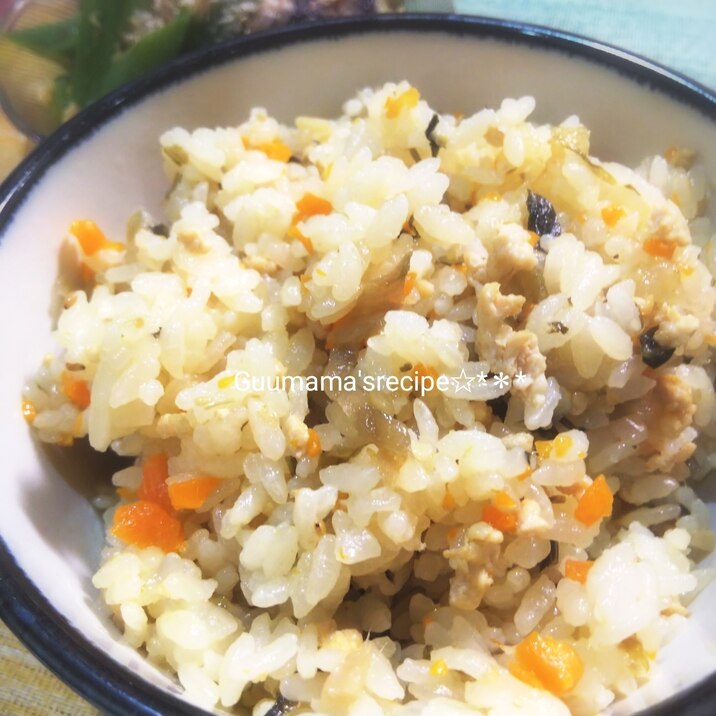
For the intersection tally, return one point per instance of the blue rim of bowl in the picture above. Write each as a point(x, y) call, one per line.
point(114, 688)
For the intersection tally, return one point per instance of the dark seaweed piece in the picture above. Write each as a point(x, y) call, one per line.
point(281, 707)
point(542, 216)
point(558, 327)
point(434, 146)
point(551, 558)
point(160, 229)
point(498, 406)
point(652, 352)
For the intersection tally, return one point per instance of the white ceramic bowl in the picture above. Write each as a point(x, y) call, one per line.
point(105, 164)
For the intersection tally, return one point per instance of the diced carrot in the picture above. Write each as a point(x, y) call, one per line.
point(453, 533)
point(561, 445)
point(76, 390)
point(550, 663)
point(274, 149)
point(311, 205)
point(448, 501)
point(438, 668)
point(409, 284)
point(524, 675)
point(191, 494)
point(659, 248)
point(295, 233)
point(503, 501)
point(499, 519)
point(91, 238)
point(146, 524)
point(577, 569)
point(612, 214)
point(534, 238)
point(29, 411)
point(313, 444)
point(423, 371)
point(543, 448)
point(595, 503)
point(405, 100)
point(153, 488)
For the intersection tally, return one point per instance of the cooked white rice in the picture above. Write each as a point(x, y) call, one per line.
point(396, 551)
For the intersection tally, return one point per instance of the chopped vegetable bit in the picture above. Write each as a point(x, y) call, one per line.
point(499, 519)
point(439, 668)
point(76, 390)
point(409, 284)
point(29, 411)
point(577, 569)
point(274, 149)
point(405, 100)
point(612, 214)
point(226, 381)
point(91, 238)
point(313, 444)
point(533, 239)
point(652, 352)
point(448, 501)
point(421, 371)
point(561, 445)
point(280, 707)
point(542, 216)
point(543, 448)
point(146, 524)
point(153, 488)
point(311, 205)
point(548, 663)
point(434, 146)
point(295, 233)
point(192, 494)
point(503, 501)
point(453, 533)
point(659, 248)
point(595, 503)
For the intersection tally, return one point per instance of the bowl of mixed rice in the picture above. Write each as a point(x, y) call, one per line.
point(343, 381)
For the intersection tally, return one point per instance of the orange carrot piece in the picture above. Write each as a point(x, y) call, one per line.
point(448, 501)
point(561, 445)
point(577, 569)
point(311, 205)
point(612, 214)
point(405, 100)
point(192, 494)
point(660, 248)
point(551, 663)
point(409, 284)
point(91, 238)
point(153, 488)
point(274, 149)
point(29, 411)
point(295, 233)
point(499, 519)
point(76, 390)
point(146, 524)
point(313, 444)
point(543, 448)
point(595, 503)
point(504, 501)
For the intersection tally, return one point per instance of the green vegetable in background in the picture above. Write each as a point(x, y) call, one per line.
point(90, 48)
